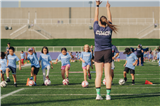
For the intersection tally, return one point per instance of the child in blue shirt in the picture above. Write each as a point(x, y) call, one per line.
point(131, 61)
point(65, 61)
point(22, 57)
point(11, 65)
point(45, 61)
point(3, 63)
point(86, 58)
point(34, 63)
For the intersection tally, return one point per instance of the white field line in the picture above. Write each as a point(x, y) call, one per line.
point(11, 93)
point(74, 94)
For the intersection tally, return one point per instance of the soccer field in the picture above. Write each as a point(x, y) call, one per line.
point(75, 95)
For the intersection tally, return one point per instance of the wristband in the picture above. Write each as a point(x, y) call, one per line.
point(97, 5)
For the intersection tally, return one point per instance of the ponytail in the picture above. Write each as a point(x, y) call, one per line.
point(113, 27)
point(104, 21)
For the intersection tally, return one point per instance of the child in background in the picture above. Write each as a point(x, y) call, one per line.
point(22, 57)
point(131, 61)
point(34, 63)
point(3, 64)
point(150, 54)
point(79, 56)
point(11, 65)
point(76, 56)
point(45, 61)
point(145, 56)
point(158, 55)
point(65, 61)
point(72, 59)
point(86, 58)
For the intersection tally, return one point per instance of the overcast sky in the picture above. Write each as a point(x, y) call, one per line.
point(77, 3)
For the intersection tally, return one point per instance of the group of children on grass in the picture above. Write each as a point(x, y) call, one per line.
point(8, 63)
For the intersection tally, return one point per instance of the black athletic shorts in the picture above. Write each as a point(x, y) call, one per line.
point(92, 57)
point(138, 56)
point(35, 70)
point(128, 69)
point(104, 56)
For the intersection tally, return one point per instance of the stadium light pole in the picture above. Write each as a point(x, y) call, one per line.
point(19, 3)
point(90, 2)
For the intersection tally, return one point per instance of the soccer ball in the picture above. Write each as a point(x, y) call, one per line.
point(3, 84)
point(121, 82)
point(47, 82)
point(65, 82)
point(85, 84)
point(104, 81)
point(31, 83)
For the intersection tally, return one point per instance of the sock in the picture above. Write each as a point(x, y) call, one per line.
point(108, 91)
point(125, 78)
point(14, 82)
point(132, 81)
point(8, 77)
point(98, 90)
point(44, 74)
point(48, 69)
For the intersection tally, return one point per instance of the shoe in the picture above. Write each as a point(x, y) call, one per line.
point(31, 78)
point(133, 83)
point(99, 97)
point(67, 78)
point(15, 85)
point(112, 83)
point(47, 77)
point(35, 84)
point(108, 97)
point(43, 84)
point(8, 80)
point(89, 76)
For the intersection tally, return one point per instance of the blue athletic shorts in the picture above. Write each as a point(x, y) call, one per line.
point(3, 71)
point(12, 69)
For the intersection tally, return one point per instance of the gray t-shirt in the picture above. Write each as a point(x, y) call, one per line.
point(102, 37)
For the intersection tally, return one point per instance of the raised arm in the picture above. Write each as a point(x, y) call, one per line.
point(109, 16)
point(97, 10)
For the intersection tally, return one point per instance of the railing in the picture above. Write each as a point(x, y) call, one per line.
point(42, 31)
point(69, 48)
point(14, 21)
point(128, 21)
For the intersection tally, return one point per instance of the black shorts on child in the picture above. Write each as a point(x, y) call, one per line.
point(35, 70)
point(128, 69)
point(12, 69)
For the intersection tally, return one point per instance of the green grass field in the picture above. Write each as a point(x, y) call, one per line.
point(79, 42)
point(75, 95)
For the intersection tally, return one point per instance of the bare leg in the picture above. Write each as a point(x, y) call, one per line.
point(107, 71)
point(63, 73)
point(67, 71)
point(35, 78)
point(85, 74)
point(14, 77)
point(99, 72)
point(7, 72)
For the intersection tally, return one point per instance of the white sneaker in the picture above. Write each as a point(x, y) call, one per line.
point(99, 97)
point(108, 97)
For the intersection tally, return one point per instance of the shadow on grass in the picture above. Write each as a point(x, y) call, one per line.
point(114, 97)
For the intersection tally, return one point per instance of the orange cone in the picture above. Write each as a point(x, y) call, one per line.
point(148, 82)
point(27, 82)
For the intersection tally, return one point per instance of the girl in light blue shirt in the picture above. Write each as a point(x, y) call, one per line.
point(45, 61)
point(86, 57)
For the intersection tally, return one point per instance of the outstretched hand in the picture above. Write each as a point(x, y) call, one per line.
point(98, 2)
point(108, 5)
